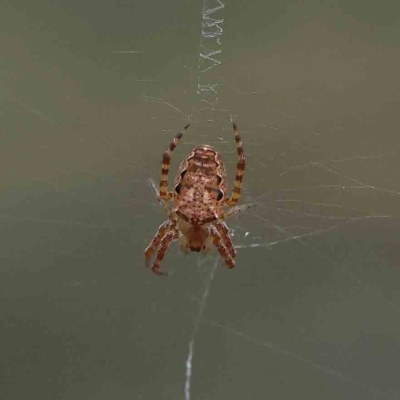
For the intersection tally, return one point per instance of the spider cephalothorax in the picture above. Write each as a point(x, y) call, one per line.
point(197, 218)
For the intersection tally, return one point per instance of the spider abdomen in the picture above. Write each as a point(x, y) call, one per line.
point(200, 186)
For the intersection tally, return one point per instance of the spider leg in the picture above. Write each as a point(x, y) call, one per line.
point(166, 240)
point(164, 193)
point(162, 201)
point(240, 166)
point(161, 231)
point(224, 253)
point(225, 238)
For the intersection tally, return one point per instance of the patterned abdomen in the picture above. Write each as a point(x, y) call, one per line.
point(200, 186)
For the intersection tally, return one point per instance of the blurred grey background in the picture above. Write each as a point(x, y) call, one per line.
point(91, 95)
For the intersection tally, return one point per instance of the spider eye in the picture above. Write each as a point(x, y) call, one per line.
point(220, 195)
point(178, 188)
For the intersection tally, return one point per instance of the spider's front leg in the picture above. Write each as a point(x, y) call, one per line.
point(223, 231)
point(151, 248)
point(222, 250)
point(167, 239)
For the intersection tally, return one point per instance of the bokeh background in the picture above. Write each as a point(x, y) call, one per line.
point(91, 95)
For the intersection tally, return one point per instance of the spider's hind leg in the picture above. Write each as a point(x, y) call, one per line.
point(162, 201)
point(164, 193)
point(240, 166)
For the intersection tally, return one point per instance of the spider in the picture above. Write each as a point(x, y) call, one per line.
point(199, 196)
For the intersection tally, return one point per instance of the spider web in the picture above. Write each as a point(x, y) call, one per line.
point(312, 308)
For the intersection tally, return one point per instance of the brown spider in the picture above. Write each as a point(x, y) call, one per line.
point(199, 195)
